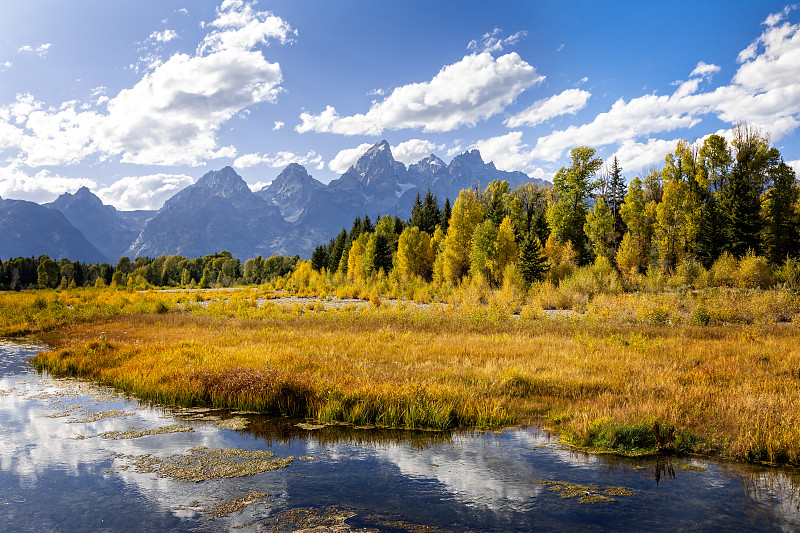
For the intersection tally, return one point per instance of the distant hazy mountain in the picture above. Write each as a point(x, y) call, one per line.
point(219, 212)
point(106, 228)
point(28, 229)
point(292, 215)
point(290, 191)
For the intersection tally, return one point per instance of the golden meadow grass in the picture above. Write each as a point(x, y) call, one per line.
point(634, 374)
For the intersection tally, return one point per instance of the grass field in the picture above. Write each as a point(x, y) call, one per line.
point(605, 380)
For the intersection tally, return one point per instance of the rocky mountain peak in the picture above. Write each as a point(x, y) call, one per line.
point(224, 182)
point(290, 190)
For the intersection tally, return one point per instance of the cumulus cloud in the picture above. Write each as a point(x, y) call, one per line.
point(568, 102)
point(40, 50)
point(280, 160)
point(508, 152)
point(257, 186)
point(765, 91)
point(278, 125)
point(143, 192)
point(4, 65)
point(464, 93)
point(162, 36)
point(43, 186)
point(494, 42)
point(413, 150)
point(704, 69)
point(173, 113)
point(240, 26)
point(774, 18)
point(637, 156)
point(347, 158)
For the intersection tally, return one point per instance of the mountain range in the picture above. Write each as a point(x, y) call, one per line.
point(291, 215)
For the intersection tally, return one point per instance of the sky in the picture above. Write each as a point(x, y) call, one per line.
point(137, 100)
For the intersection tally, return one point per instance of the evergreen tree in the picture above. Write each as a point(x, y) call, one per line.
point(366, 225)
point(615, 200)
point(444, 220)
point(532, 262)
point(711, 224)
point(382, 252)
point(780, 207)
point(431, 214)
point(335, 255)
point(319, 257)
point(416, 212)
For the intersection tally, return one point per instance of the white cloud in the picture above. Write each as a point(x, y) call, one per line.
point(413, 150)
point(775, 18)
point(704, 69)
point(765, 91)
point(162, 36)
point(347, 158)
point(4, 65)
point(239, 26)
point(44, 186)
point(509, 153)
point(494, 42)
point(278, 125)
point(635, 156)
point(143, 192)
point(795, 165)
point(464, 93)
point(172, 115)
point(257, 186)
point(280, 160)
point(40, 50)
point(568, 102)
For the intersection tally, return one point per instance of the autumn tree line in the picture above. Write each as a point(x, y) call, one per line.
point(712, 202)
point(215, 270)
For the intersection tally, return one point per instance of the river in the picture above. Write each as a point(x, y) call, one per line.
point(78, 457)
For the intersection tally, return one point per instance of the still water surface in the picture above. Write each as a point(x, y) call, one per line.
point(58, 473)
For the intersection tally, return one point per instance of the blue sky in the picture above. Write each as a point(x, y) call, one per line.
point(136, 100)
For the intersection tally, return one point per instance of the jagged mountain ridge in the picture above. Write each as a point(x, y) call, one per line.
point(218, 212)
point(28, 229)
point(292, 215)
point(290, 191)
point(102, 225)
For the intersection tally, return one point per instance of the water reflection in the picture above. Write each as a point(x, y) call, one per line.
point(57, 474)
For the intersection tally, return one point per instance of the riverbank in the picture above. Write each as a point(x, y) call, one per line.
point(729, 390)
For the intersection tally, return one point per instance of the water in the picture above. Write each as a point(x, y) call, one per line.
point(57, 474)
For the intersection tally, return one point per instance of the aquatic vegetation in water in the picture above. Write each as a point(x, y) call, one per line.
point(234, 506)
point(309, 519)
point(135, 433)
point(587, 493)
point(101, 415)
point(234, 423)
point(202, 464)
